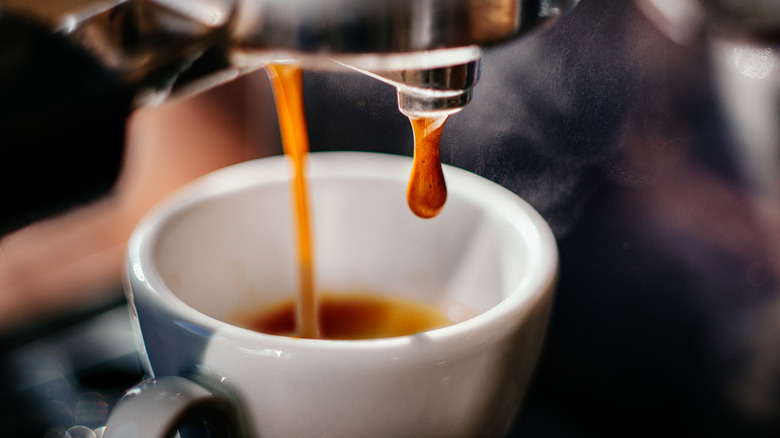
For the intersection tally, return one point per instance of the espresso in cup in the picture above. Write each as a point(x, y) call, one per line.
point(426, 194)
point(221, 249)
point(440, 339)
point(349, 317)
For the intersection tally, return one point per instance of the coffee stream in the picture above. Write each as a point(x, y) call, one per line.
point(426, 192)
point(287, 83)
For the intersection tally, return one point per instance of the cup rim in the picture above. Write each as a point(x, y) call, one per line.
point(539, 282)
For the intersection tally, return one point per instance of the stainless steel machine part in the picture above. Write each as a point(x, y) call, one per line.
point(428, 49)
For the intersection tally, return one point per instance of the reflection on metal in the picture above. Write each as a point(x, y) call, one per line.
point(164, 47)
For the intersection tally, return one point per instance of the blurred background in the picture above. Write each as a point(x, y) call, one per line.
point(651, 150)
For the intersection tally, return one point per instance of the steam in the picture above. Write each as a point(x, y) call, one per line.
point(544, 122)
point(541, 126)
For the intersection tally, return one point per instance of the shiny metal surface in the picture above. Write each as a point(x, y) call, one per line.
point(666, 318)
point(325, 26)
point(439, 90)
point(428, 49)
point(387, 26)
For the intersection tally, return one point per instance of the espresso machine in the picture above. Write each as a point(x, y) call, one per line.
point(665, 321)
point(72, 72)
point(145, 52)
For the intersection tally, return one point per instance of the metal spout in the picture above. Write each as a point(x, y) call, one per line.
point(444, 87)
point(428, 49)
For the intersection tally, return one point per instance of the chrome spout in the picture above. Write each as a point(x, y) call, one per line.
point(444, 87)
point(428, 49)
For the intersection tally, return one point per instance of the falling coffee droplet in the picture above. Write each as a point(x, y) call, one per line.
point(427, 191)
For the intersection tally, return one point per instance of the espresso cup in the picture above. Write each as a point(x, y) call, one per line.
point(225, 244)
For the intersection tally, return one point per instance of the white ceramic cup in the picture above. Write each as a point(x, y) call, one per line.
point(225, 244)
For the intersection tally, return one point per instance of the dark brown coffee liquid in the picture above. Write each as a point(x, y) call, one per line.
point(427, 192)
point(351, 316)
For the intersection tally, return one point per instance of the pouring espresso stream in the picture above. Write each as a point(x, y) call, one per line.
point(156, 51)
point(426, 193)
point(286, 81)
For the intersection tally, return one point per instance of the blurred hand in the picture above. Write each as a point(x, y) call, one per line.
point(65, 263)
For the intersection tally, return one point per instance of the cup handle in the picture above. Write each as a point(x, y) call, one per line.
point(158, 407)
